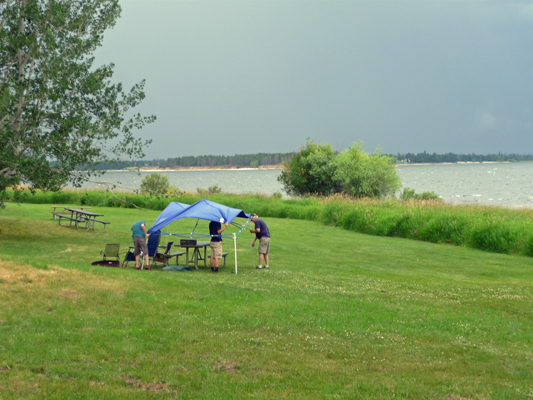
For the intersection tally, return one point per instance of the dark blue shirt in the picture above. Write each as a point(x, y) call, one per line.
point(214, 227)
point(263, 228)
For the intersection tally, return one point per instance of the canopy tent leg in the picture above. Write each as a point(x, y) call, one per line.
point(235, 248)
point(253, 250)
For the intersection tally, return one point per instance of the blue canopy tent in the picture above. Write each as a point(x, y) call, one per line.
point(167, 216)
point(203, 209)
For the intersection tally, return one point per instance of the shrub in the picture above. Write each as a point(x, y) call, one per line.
point(364, 175)
point(155, 185)
point(409, 194)
point(214, 189)
point(311, 171)
point(211, 190)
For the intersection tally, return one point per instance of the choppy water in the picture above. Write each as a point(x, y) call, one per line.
point(502, 184)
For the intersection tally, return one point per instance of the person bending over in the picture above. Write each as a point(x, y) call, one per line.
point(263, 234)
point(139, 236)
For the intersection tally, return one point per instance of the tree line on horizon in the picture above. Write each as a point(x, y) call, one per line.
point(424, 157)
point(237, 160)
point(260, 159)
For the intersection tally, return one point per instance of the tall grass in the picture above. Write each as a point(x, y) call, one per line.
point(487, 228)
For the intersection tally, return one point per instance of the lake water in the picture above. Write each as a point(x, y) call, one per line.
point(501, 184)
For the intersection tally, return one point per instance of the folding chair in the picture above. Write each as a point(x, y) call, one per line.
point(130, 256)
point(111, 256)
point(111, 251)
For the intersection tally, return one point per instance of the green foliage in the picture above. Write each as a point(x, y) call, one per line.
point(58, 110)
point(409, 194)
point(367, 175)
point(254, 164)
point(311, 171)
point(155, 184)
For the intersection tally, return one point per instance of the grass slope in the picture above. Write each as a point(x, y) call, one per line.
point(338, 315)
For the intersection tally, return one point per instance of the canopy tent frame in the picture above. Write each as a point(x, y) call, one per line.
point(203, 209)
point(193, 235)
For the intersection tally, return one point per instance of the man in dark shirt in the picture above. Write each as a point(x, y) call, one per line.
point(263, 234)
point(215, 229)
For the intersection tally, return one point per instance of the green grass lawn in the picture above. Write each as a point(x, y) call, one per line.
point(338, 315)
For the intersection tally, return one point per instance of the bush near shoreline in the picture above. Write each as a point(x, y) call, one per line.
point(486, 228)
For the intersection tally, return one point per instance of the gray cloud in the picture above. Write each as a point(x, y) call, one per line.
point(228, 77)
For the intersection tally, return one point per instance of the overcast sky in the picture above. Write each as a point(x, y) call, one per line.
point(239, 77)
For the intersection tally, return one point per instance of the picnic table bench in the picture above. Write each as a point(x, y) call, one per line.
point(71, 219)
point(105, 223)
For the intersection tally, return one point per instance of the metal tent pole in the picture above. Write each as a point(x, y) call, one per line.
point(235, 246)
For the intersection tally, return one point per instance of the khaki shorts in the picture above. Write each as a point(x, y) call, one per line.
point(139, 243)
point(264, 245)
point(216, 249)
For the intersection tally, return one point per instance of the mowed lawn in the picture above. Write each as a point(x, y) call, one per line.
point(338, 315)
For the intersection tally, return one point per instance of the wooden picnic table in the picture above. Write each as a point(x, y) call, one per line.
point(78, 216)
point(196, 253)
point(56, 213)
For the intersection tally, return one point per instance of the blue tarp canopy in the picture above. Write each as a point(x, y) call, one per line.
point(203, 209)
point(167, 215)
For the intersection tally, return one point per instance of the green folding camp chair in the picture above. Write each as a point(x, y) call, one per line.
point(111, 251)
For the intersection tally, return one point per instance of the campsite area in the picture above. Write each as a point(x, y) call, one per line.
point(338, 315)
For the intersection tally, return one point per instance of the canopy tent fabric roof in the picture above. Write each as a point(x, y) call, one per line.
point(166, 216)
point(203, 209)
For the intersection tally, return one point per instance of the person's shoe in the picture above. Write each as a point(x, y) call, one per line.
point(138, 268)
point(266, 266)
point(212, 269)
point(215, 269)
point(148, 268)
point(259, 267)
